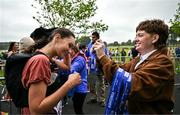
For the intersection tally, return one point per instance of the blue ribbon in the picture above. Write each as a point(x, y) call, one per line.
point(120, 88)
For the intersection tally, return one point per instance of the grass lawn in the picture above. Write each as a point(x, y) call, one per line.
point(1, 73)
point(2, 82)
point(177, 66)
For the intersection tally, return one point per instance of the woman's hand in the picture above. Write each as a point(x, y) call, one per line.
point(67, 61)
point(74, 79)
point(99, 48)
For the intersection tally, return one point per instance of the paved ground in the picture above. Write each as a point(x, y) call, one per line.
point(88, 108)
point(177, 95)
point(68, 109)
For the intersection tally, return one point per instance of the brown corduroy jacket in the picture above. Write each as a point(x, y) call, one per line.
point(152, 83)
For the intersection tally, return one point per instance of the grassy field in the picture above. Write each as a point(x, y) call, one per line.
point(177, 65)
point(126, 48)
point(1, 73)
point(2, 82)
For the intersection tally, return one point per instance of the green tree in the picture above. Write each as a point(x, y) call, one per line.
point(175, 23)
point(84, 40)
point(72, 14)
point(129, 42)
point(116, 43)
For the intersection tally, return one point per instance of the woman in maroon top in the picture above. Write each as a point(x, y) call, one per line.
point(36, 74)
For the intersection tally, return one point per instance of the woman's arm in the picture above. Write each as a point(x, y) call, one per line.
point(39, 104)
point(65, 64)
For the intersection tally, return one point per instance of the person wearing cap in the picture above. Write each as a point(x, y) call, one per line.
point(24, 44)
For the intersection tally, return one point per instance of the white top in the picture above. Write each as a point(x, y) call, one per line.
point(143, 57)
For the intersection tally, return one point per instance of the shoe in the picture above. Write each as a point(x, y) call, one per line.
point(92, 101)
point(102, 104)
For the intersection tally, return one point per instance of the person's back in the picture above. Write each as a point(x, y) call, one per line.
point(116, 52)
point(123, 53)
point(25, 44)
point(13, 49)
point(134, 53)
point(177, 51)
point(123, 56)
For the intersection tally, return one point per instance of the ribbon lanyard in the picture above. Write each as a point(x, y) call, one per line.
point(119, 92)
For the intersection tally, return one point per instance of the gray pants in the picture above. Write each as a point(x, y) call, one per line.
point(97, 87)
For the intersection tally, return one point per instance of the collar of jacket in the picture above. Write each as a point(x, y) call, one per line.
point(151, 57)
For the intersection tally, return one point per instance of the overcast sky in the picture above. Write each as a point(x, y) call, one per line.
point(122, 17)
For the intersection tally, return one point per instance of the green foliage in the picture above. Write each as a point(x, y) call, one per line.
point(84, 40)
point(128, 43)
point(175, 28)
point(71, 14)
point(116, 43)
point(1, 73)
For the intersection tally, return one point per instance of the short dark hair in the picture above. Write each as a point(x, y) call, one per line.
point(155, 26)
point(96, 34)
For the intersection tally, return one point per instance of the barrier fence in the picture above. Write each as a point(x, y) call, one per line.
point(118, 59)
point(125, 59)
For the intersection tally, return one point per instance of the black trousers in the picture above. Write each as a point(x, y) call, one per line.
point(78, 101)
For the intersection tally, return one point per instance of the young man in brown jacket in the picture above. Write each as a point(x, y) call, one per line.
point(152, 72)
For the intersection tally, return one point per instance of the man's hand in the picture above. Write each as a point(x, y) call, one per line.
point(99, 48)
